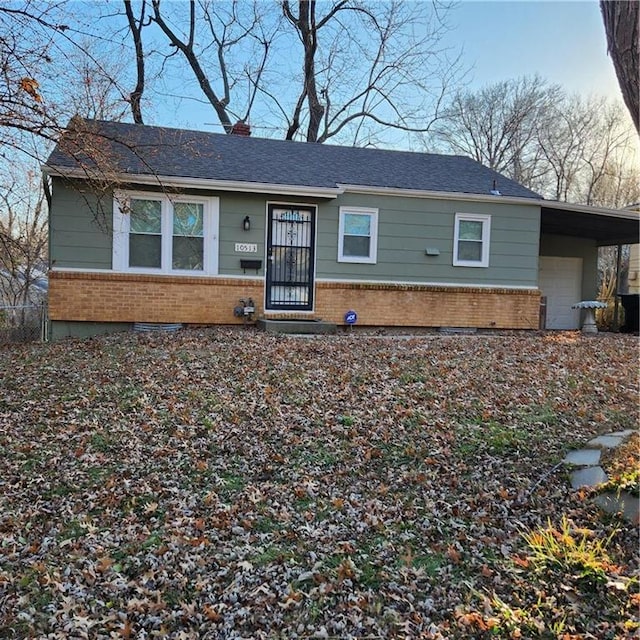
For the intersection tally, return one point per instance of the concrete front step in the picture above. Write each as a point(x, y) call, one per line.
point(296, 326)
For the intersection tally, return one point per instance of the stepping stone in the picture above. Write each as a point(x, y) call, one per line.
point(625, 504)
point(607, 442)
point(588, 477)
point(622, 434)
point(583, 457)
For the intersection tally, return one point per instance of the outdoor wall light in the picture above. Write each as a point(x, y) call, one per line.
point(246, 223)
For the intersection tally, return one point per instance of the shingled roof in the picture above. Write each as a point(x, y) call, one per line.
point(143, 150)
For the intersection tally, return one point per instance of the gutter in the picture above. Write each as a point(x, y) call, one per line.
point(196, 183)
point(438, 195)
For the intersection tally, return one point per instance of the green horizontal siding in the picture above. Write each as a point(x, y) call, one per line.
point(233, 209)
point(407, 226)
point(80, 236)
point(79, 228)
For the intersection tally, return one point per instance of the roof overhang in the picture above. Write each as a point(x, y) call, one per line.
point(438, 195)
point(178, 182)
point(605, 226)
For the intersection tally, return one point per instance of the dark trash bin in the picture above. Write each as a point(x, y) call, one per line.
point(631, 305)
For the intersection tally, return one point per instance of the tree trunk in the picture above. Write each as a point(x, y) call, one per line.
point(307, 28)
point(187, 48)
point(136, 32)
point(622, 26)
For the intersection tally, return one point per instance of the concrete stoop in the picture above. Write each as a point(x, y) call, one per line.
point(589, 474)
point(296, 326)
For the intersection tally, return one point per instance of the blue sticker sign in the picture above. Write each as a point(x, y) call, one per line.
point(351, 317)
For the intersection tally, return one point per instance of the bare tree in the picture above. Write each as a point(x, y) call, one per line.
point(314, 70)
point(95, 76)
point(50, 70)
point(212, 33)
point(27, 51)
point(308, 28)
point(587, 147)
point(497, 126)
point(619, 185)
point(135, 28)
point(563, 147)
point(613, 269)
point(367, 65)
point(622, 25)
point(309, 70)
point(23, 236)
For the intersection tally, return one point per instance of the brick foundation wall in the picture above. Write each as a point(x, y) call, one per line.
point(429, 306)
point(117, 297)
point(112, 297)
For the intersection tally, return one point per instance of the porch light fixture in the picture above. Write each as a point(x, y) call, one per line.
point(246, 223)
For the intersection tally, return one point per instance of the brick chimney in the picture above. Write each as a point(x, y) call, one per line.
point(241, 128)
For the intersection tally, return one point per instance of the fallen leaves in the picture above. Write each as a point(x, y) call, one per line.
point(229, 484)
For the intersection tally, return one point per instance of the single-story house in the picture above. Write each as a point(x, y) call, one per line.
point(160, 225)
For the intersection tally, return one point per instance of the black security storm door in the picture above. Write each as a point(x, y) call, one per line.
point(290, 258)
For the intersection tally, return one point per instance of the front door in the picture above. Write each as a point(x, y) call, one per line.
point(291, 235)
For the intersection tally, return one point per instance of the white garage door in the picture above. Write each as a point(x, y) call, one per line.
point(560, 280)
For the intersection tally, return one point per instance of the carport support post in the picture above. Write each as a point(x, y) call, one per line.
point(616, 304)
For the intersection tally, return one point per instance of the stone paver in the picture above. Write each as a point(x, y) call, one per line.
point(583, 457)
point(622, 434)
point(588, 477)
point(607, 442)
point(625, 504)
point(592, 475)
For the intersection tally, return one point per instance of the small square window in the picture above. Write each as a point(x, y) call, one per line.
point(471, 238)
point(358, 235)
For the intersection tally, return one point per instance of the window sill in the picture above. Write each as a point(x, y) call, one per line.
point(470, 264)
point(357, 260)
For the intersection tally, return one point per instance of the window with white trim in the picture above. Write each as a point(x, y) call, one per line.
point(471, 239)
point(153, 233)
point(358, 235)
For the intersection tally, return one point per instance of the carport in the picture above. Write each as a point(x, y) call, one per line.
point(570, 236)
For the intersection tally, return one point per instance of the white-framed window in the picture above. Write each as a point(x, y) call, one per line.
point(155, 233)
point(358, 235)
point(471, 240)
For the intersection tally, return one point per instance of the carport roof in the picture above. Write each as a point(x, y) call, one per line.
point(605, 226)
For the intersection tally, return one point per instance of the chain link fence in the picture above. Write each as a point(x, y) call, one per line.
point(23, 323)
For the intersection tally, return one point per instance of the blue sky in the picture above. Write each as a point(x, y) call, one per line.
point(564, 42)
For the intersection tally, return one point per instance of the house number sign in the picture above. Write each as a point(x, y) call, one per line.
point(246, 247)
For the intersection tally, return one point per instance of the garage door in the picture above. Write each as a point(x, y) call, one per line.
point(560, 280)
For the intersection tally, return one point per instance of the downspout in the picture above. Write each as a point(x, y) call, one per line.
point(46, 187)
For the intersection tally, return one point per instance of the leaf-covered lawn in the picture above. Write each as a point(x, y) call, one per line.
point(229, 484)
